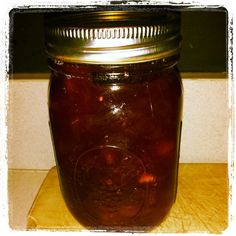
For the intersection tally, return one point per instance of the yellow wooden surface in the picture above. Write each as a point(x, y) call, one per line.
point(201, 204)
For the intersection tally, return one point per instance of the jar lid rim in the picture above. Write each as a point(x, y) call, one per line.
point(113, 37)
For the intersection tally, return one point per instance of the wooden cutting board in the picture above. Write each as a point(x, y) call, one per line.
point(201, 204)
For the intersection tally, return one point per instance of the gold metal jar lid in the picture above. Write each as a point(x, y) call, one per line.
point(113, 37)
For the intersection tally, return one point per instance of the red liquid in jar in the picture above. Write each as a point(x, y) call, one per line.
point(116, 136)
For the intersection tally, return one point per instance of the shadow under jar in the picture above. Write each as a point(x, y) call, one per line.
point(115, 105)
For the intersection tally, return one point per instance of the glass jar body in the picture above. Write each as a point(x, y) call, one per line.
point(116, 134)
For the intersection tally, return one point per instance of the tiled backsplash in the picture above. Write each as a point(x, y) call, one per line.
point(204, 133)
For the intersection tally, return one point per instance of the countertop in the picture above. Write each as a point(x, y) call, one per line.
point(23, 186)
point(201, 204)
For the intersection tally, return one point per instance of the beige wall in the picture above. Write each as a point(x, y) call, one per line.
point(205, 120)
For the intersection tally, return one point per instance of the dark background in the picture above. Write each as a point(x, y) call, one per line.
point(204, 45)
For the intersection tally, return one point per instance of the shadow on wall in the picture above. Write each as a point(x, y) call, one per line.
point(203, 46)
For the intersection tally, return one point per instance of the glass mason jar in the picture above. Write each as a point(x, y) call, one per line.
point(115, 104)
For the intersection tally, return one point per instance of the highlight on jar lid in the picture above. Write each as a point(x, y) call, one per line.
point(113, 37)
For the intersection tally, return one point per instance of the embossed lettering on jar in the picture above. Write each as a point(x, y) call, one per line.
point(115, 104)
